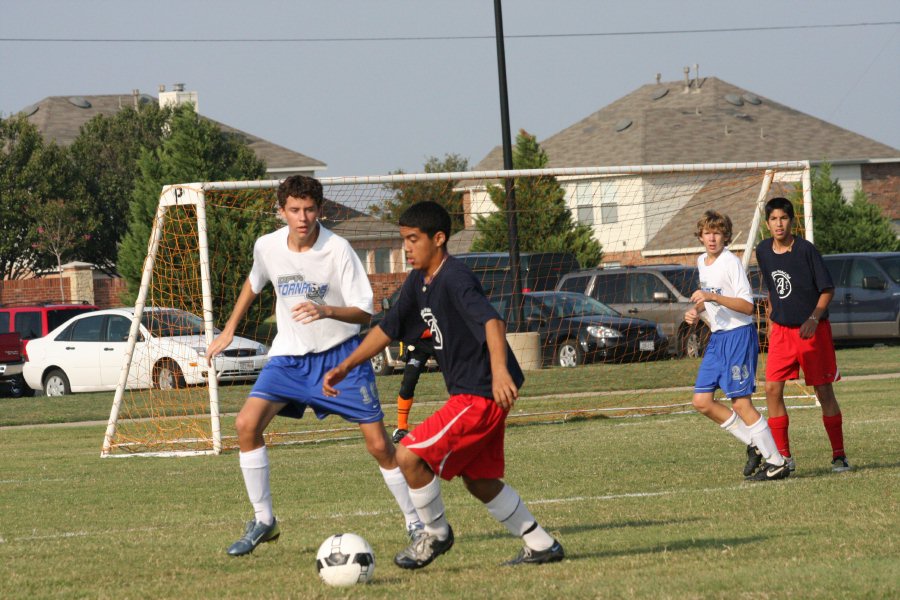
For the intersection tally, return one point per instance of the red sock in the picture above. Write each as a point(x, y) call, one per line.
point(834, 427)
point(779, 427)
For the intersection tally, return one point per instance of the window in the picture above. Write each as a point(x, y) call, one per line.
point(644, 285)
point(586, 214)
point(382, 260)
point(609, 204)
point(87, 329)
point(28, 324)
point(610, 289)
point(861, 268)
point(4, 322)
point(575, 284)
point(117, 328)
point(363, 258)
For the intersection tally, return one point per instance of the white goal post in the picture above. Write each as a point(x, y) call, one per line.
point(638, 213)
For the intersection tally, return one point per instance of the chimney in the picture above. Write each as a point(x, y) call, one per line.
point(177, 97)
point(135, 97)
point(687, 79)
point(697, 75)
point(658, 78)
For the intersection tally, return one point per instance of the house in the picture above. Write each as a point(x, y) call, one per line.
point(60, 118)
point(696, 121)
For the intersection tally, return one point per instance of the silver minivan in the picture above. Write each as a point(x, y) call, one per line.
point(866, 304)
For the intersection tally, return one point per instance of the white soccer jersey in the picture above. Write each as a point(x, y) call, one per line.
point(726, 276)
point(329, 273)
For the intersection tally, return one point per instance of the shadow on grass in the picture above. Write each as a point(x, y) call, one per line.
point(674, 546)
point(573, 529)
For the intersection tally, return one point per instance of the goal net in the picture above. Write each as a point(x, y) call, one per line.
point(623, 237)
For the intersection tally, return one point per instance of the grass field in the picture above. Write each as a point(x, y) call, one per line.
point(645, 507)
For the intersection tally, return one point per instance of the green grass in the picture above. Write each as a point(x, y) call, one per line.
point(645, 507)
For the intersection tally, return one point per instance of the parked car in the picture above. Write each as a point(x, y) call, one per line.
point(538, 270)
point(866, 304)
point(575, 329)
point(86, 353)
point(658, 293)
point(11, 360)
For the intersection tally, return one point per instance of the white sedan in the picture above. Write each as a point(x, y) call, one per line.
point(86, 353)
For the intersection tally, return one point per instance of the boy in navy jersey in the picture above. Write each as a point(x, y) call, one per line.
point(800, 289)
point(725, 302)
point(465, 436)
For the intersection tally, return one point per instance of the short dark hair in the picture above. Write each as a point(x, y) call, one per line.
point(300, 186)
point(429, 217)
point(780, 204)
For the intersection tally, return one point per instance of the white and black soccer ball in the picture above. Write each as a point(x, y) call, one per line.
point(345, 559)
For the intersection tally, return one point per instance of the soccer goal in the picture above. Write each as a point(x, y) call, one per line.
point(614, 220)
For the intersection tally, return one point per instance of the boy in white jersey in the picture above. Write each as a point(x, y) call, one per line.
point(725, 302)
point(322, 297)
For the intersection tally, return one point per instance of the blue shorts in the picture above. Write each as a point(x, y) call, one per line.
point(297, 380)
point(729, 363)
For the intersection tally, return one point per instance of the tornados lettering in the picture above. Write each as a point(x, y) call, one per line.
point(432, 323)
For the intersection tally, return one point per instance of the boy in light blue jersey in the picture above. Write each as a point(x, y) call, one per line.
point(725, 302)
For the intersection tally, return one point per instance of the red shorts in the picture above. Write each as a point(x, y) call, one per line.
point(788, 353)
point(464, 437)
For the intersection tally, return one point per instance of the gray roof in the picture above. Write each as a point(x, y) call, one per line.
point(365, 227)
point(714, 122)
point(59, 118)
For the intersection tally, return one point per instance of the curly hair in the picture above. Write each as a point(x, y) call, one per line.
point(300, 186)
point(714, 221)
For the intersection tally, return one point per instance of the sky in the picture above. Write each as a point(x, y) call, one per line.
point(373, 86)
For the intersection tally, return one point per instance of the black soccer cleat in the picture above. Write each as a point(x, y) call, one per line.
point(770, 472)
point(423, 549)
point(840, 464)
point(398, 435)
point(554, 553)
point(754, 459)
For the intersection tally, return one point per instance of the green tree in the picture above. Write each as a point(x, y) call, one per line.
point(195, 149)
point(841, 226)
point(545, 223)
point(30, 171)
point(105, 156)
point(405, 195)
point(61, 232)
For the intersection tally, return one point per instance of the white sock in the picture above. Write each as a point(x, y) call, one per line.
point(397, 484)
point(255, 466)
point(508, 508)
point(765, 443)
point(736, 427)
point(430, 506)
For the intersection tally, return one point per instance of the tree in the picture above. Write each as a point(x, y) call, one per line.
point(105, 156)
point(545, 222)
point(840, 226)
point(29, 172)
point(60, 233)
point(407, 194)
point(195, 149)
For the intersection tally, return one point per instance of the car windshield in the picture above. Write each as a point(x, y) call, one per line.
point(891, 266)
point(564, 305)
point(168, 323)
point(686, 281)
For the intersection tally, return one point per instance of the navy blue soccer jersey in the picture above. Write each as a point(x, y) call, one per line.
point(795, 280)
point(453, 306)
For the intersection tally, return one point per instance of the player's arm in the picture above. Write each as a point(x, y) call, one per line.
point(504, 388)
point(736, 304)
point(307, 312)
point(223, 340)
point(808, 328)
point(374, 342)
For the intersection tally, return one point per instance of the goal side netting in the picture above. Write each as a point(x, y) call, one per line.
point(618, 221)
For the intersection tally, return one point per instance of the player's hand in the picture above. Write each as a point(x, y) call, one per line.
point(699, 297)
point(307, 312)
point(331, 379)
point(808, 329)
point(691, 316)
point(505, 390)
point(219, 343)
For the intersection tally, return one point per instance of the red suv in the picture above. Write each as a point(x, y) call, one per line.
point(32, 321)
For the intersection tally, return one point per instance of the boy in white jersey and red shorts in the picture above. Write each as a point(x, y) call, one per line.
point(322, 295)
point(725, 303)
point(464, 437)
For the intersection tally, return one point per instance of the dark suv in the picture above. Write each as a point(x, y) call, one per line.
point(660, 293)
point(32, 321)
point(866, 304)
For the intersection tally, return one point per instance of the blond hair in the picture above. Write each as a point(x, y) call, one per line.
point(714, 221)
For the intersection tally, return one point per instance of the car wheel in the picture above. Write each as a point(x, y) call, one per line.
point(694, 341)
point(168, 376)
point(56, 384)
point(380, 364)
point(18, 388)
point(569, 354)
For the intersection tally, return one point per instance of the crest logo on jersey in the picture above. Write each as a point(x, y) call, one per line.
point(296, 285)
point(433, 326)
point(782, 283)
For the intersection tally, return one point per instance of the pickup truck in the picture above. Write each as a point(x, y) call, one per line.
point(11, 360)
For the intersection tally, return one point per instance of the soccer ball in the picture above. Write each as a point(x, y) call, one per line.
point(345, 559)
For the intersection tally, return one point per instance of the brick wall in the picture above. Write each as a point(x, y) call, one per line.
point(33, 291)
point(384, 284)
point(107, 292)
point(881, 182)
